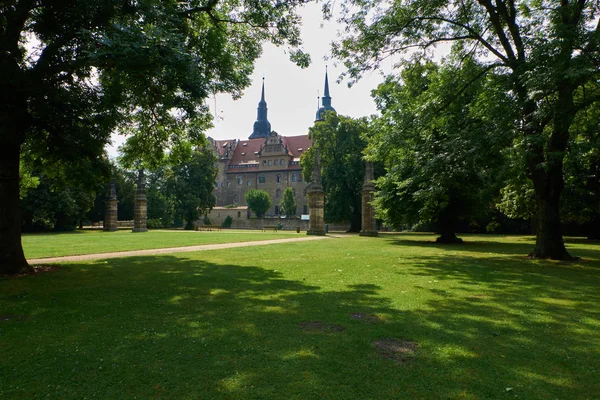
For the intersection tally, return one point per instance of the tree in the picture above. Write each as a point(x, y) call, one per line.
point(548, 52)
point(441, 164)
point(288, 203)
point(192, 183)
point(258, 201)
point(73, 71)
point(341, 143)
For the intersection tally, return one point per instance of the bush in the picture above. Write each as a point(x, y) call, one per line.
point(227, 223)
point(154, 223)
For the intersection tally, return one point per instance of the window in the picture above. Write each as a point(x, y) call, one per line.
point(236, 199)
point(305, 210)
point(239, 179)
point(239, 214)
point(281, 161)
point(249, 183)
point(261, 179)
point(269, 163)
point(276, 210)
point(294, 177)
point(264, 162)
point(278, 178)
point(277, 193)
point(275, 162)
point(300, 177)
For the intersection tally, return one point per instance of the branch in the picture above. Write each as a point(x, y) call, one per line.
point(470, 30)
point(495, 19)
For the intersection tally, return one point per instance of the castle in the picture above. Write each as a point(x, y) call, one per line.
point(266, 161)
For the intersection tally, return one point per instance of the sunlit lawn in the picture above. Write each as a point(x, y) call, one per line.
point(96, 241)
point(276, 322)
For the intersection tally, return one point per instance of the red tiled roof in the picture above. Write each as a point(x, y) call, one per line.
point(245, 157)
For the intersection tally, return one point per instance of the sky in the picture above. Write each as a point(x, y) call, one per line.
point(291, 92)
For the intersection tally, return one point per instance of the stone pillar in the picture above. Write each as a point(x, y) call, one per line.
point(140, 206)
point(110, 209)
point(369, 227)
point(316, 200)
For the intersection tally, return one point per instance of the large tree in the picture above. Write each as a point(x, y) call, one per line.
point(341, 141)
point(548, 50)
point(442, 162)
point(287, 204)
point(258, 201)
point(71, 71)
point(191, 184)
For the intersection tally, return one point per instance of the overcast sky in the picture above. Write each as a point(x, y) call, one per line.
point(291, 92)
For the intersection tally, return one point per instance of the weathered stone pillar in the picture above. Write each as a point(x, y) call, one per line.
point(140, 206)
point(110, 209)
point(369, 227)
point(316, 200)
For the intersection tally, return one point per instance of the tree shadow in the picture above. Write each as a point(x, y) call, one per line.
point(182, 327)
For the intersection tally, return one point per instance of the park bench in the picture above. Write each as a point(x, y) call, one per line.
point(208, 228)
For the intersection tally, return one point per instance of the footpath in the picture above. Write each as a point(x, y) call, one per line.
point(186, 249)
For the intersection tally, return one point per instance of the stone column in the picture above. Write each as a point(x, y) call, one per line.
point(369, 227)
point(140, 206)
point(110, 209)
point(316, 200)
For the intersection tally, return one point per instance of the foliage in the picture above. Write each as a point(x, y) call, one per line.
point(547, 53)
point(227, 222)
point(53, 205)
point(258, 201)
point(341, 142)
point(287, 205)
point(440, 159)
point(191, 183)
point(296, 307)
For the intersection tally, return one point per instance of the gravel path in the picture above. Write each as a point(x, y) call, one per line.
point(133, 253)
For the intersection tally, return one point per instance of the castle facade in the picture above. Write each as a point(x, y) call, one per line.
point(266, 161)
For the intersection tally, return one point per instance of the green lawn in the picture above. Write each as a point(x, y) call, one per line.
point(96, 241)
point(276, 322)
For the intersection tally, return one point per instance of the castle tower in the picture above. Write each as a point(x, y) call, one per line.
point(262, 126)
point(325, 101)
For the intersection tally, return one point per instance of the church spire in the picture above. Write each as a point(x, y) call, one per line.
point(262, 126)
point(325, 101)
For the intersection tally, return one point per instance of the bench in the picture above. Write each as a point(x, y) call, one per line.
point(269, 228)
point(208, 228)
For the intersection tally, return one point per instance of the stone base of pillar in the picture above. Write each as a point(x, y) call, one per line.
point(139, 230)
point(316, 232)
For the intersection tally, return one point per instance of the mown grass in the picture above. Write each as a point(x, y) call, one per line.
point(42, 245)
point(489, 323)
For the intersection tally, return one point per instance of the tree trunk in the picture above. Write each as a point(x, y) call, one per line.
point(12, 258)
point(447, 223)
point(356, 222)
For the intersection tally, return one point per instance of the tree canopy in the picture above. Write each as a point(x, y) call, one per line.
point(547, 51)
point(288, 202)
point(73, 71)
point(258, 201)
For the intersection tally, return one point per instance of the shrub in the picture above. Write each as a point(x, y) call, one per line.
point(227, 223)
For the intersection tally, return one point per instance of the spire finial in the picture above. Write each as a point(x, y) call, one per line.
point(262, 126)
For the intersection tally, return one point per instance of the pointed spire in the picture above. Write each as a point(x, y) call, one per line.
point(325, 100)
point(326, 85)
point(262, 96)
point(262, 126)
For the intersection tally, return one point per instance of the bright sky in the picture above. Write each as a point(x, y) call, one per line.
point(291, 92)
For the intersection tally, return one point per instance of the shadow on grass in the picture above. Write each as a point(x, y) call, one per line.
point(175, 327)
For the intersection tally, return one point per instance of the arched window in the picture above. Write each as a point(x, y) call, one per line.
point(294, 177)
point(261, 179)
point(239, 179)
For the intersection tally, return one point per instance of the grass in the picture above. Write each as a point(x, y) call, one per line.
point(42, 245)
point(231, 324)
